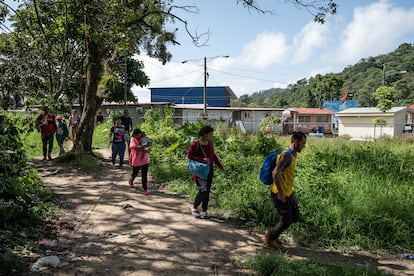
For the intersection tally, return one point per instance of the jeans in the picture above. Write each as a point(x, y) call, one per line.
point(118, 148)
point(288, 214)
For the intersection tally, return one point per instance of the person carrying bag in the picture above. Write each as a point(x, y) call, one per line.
point(202, 150)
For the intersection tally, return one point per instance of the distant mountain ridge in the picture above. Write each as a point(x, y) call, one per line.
point(394, 69)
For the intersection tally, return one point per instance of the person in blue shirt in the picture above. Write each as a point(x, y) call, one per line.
point(61, 134)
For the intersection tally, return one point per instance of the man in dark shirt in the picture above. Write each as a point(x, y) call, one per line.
point(127, 123)
point(99, 118)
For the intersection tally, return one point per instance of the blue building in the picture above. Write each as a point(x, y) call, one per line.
point(218, 96)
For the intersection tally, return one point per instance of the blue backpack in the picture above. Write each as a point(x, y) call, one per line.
point(269, 165)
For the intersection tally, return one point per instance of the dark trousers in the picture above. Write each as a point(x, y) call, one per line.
point(47, 140)
point(144, 175)
point(203, 195)
point(61, 149)
point(118, 148)
point(288, 214)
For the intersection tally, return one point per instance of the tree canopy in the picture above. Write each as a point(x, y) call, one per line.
point(59, 51)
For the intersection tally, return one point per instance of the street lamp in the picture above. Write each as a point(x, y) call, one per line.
point(205, 82)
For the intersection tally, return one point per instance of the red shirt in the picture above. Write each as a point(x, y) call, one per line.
point(47, 123)
point(195, 153)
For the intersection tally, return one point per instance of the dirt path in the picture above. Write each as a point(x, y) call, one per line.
point(109, 229)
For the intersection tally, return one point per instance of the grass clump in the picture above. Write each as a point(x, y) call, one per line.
point(277, 264)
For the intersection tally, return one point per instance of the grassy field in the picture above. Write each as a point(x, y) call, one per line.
point(352, 194)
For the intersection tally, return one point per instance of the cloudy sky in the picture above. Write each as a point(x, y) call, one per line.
point(268, 51)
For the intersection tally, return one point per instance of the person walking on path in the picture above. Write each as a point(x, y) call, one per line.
point(202, 150)
point(116, 138)
point(61, 134)
point(139, 159)
point(127, 123)
point(99, 118)
point(74, 120)
point(283, 197)
point(46, 124)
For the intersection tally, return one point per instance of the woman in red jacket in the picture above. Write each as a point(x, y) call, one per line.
point(202, 150)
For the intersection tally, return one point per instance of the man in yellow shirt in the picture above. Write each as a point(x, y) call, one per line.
point(283, 197)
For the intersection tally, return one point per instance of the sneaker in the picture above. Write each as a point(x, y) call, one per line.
point(44, 158)
point(274, 244)
point(49, 157)
point(205, 215)
point(131, 184)
point(146, 192)
point(195, 213)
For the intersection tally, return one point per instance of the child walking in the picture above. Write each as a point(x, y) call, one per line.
point(61, 134)
point(138, 160)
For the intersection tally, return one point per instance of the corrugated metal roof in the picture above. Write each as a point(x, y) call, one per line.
point(370, 110)
point(305, 110)
point(201, 106)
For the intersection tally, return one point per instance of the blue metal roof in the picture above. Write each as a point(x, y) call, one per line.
point(215, 95)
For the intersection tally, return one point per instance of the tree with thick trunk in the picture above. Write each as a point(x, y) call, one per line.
point(109, 33)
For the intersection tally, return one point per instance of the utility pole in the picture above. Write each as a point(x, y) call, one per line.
point(205, 82)
point(205, 89)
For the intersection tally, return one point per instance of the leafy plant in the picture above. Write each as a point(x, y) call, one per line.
point(24, 203)
point(343, 187)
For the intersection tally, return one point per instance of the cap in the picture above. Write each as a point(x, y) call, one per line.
point(58, 117)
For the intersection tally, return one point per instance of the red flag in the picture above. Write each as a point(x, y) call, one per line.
point(343, 99)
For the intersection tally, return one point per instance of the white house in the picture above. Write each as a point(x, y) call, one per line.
point(359, 122)
point(246, 119)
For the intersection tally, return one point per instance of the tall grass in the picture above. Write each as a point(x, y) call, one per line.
point(357, 194)
point(274, 264)
point(352, 194)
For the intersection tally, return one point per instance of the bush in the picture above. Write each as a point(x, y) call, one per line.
point(24, 206)
point(344, 187)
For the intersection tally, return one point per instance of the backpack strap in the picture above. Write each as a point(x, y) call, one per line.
point(199, 145)
point(289, 150)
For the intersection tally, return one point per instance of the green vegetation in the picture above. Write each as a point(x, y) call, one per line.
point(275, 264)
point(352, 194)
point(393, 70)
point(25, 206)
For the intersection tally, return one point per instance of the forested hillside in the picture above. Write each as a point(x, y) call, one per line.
point(395, 69)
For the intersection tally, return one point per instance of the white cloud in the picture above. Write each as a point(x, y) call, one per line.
point(311, 37)
point(374, 30)
point(265, 50)
point(316, 49)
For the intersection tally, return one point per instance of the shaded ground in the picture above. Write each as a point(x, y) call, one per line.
point(109, 229)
